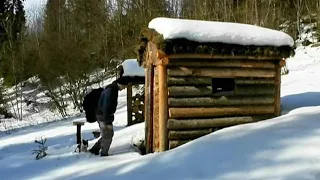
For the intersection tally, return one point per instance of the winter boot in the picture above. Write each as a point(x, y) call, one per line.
point(94, 151)
point(104, 154)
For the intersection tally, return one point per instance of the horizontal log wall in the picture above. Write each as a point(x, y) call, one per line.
point(192, 124)
point(220, 101)
point(206, 91)
point(198, 112)
point(188, 134)
point(194, 110)
point(206, 81)
point(224, 72)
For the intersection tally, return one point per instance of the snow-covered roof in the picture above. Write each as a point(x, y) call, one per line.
point(223, 32)
point(132, 68)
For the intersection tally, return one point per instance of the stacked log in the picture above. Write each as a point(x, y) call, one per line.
point(195, 109)
point(138, 108)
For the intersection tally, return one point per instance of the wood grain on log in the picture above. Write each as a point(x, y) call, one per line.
point(177, 124)
point(221, 72)
point(277, 103)
point(189, 91)
point(255, 81)
point(222, 112)
point(209, 56)
point(207, 81)
point(163, 108)
point(189, 134)
point(220, 101)
point(147, 110)
point(155, 118)
point(254, 90)
point(191, 81)
point(176, 143)
point(206, 91)
point(222, 63)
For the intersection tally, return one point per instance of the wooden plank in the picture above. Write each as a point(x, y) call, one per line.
point(189, 81)
point(206, 91)
point(255, 81)
point(152, 53)
point(155, 114)
point(175, 143)
point(209, 56)
point(189, 134)
point(151, 100)
point(147, 103)
point(163, 108)
point(221, 72)
point(189, 91)
point(235, 63)
point(80, 123)
point(180, 124)
point(206, 81)
point(254, 90)
point(220, 101)
point(219, 112)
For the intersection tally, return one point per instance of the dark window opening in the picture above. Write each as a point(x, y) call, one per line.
point(223, 86)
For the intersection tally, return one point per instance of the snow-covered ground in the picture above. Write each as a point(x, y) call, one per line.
point(285, 147)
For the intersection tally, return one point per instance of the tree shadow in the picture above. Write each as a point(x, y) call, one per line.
point(295, 101)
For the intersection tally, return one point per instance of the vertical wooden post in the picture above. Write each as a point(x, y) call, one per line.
point(277, 96)
point(78, 135)
point(163, 104)
point(129, 105)
point(151, 88)
point(148, 109)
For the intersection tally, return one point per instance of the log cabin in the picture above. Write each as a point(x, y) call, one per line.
point(202, 76)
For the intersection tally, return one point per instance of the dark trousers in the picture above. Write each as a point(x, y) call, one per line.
point(105, 139)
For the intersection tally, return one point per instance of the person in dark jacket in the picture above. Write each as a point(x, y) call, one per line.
point(107, 106)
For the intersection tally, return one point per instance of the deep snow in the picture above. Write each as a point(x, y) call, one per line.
point(224, 32)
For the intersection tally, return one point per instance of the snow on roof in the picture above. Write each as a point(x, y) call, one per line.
point(132, 68)
point(224, 32)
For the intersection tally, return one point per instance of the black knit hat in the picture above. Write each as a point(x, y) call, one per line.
point(125, 80)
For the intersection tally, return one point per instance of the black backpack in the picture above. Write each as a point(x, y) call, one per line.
point(90, 103)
